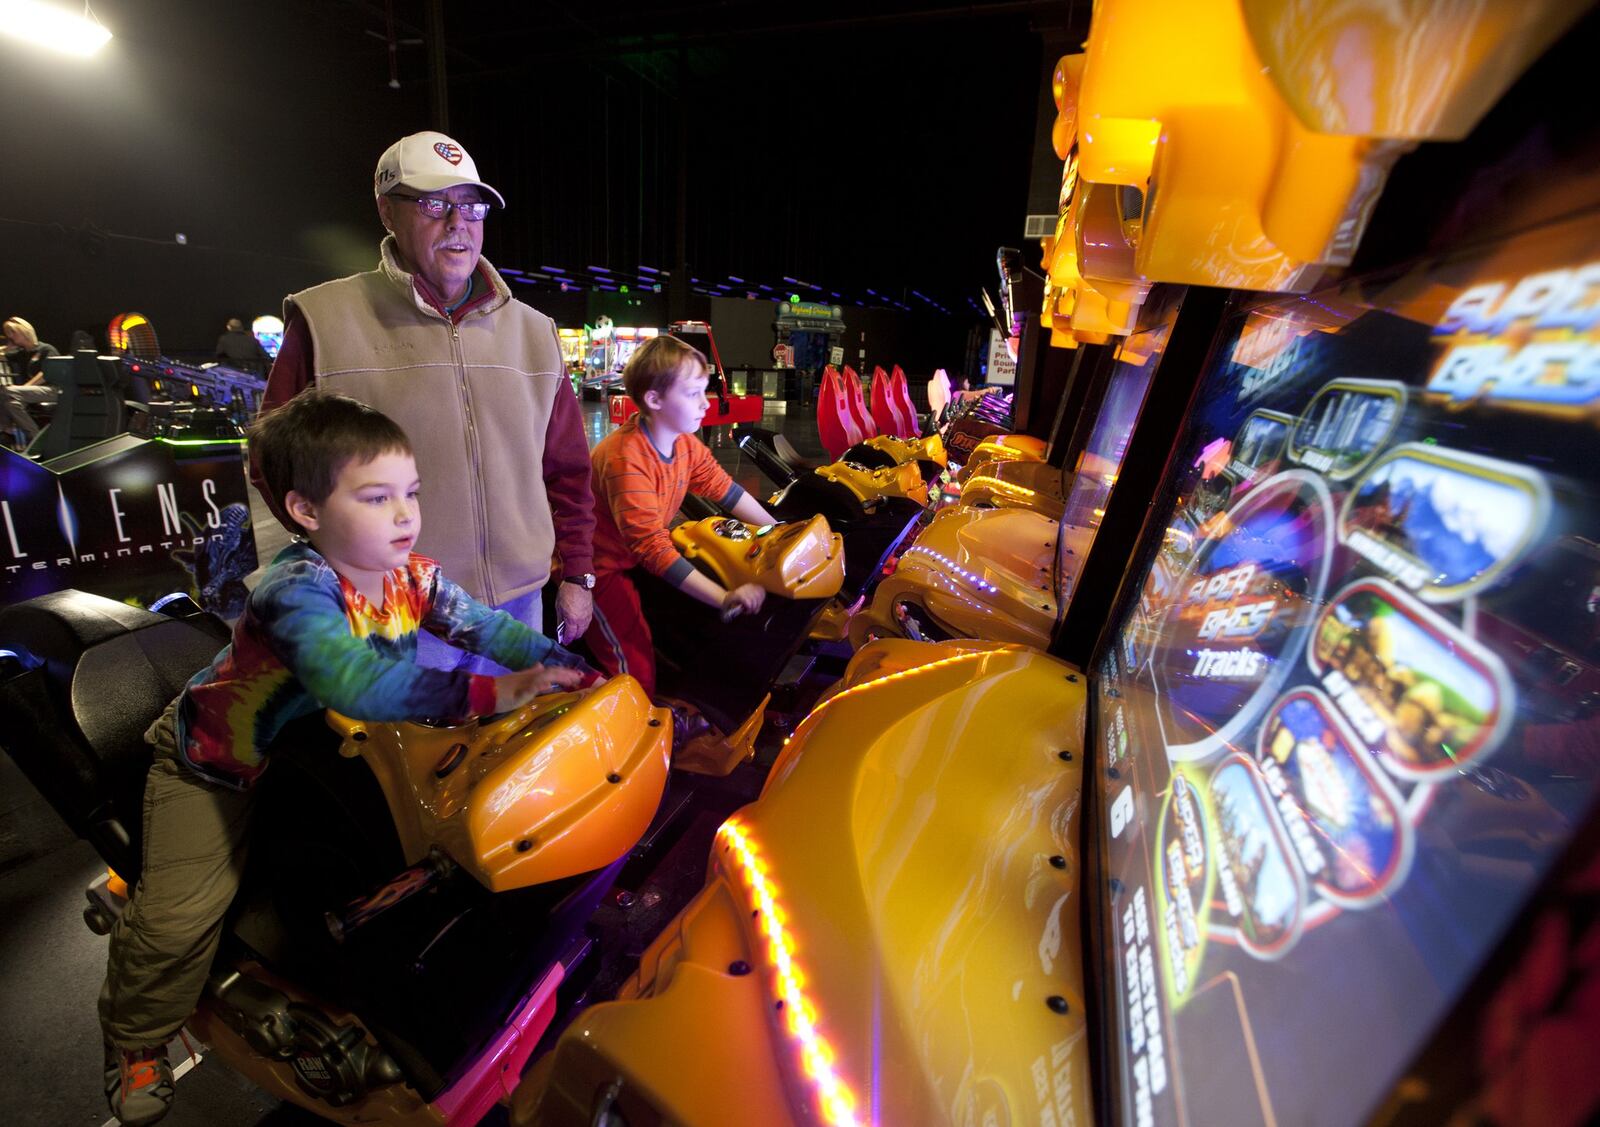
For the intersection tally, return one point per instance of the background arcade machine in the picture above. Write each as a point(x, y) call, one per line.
point(627, 341)
point(600, 368)
point(1001, 539)
point(1002, 562)
point(574, 350)
point(175, 397)
point(726, 409)
point(268, 331)
point(131, 516)
point(1291, 830)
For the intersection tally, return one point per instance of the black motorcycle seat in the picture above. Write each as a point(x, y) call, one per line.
point(119, 665)
point(98, 673)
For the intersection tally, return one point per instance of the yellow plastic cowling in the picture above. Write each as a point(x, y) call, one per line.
point(1262, 131)
point(1003, 448)
point(1075, 311)
point(1405, 69)
point(688, 1041)
point(846, 893)
point(904, 480)
point(976, 574)
point(1174, 104)
point(1025, 446)
point(1037, 486)
point(712, 753)
point(903, 450)
point(798, 560)
point(560, 786)
point(1108, 233)
point(1363, 80)
point(1064, 84)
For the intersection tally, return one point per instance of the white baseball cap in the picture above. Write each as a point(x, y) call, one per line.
point(427, 162)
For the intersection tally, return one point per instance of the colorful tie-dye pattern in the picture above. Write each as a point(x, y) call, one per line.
point(308, 640)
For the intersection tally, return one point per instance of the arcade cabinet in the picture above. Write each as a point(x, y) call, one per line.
point(1298, 819)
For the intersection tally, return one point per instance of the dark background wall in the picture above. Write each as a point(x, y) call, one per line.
point(852, 149)
point(254, 139)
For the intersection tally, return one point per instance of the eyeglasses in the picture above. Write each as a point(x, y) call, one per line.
point(435, 207)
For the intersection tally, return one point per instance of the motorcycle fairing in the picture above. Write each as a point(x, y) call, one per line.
point(796, 560)
point(520, 799)
point(978, 573)
point(919, 897)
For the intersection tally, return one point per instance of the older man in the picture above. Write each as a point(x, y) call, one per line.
point(434, 339)
point(240, 348)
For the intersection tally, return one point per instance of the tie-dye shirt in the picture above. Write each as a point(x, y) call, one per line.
point(308, 640)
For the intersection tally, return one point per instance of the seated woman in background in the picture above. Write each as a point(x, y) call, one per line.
point(24, 365)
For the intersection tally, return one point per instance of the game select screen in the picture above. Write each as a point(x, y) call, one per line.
point(1138, 357)
point(1354, 713)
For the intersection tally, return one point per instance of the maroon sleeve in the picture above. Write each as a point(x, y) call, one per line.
point(567, 482)
point(291, 374)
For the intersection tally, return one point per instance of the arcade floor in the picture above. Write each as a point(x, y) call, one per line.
point(53, 964)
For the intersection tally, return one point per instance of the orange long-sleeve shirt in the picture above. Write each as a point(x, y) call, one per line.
point(639, 491)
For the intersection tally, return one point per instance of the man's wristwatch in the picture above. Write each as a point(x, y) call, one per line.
point(585, 580)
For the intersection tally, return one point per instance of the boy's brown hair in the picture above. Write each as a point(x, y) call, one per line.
point(303, 444)
point(655, 365)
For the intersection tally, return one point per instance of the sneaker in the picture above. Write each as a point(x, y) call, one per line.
point(687, 723)
point(139, 1086)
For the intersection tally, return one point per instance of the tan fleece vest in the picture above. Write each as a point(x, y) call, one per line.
point(476, 400)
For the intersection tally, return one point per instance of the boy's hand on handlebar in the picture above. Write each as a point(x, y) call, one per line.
point(515, 689)
point(743, 599)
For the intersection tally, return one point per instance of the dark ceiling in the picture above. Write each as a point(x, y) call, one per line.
point(877, 152)
point(217, 156)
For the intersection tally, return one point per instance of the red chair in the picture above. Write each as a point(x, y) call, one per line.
point(882, 413)
point(834, 424)
point(900, 403)
point(857, 402)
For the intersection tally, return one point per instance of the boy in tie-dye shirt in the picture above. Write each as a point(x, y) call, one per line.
point(332, 624)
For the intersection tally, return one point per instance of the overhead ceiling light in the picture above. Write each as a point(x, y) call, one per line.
point(53, 27)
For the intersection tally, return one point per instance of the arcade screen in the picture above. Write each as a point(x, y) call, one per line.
point(268, 331)
point(1353, 715)
point(626, 344)
point(1101, 461)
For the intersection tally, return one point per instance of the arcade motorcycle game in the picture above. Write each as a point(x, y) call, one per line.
point(870, 507)
point(1300, 826)
point(877, 490)
point(1000, 561)
point(414, 912)
point(725, 668)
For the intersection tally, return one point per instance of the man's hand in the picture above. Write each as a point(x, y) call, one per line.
point(743, 599)
point(513, 690)
point(574, 609)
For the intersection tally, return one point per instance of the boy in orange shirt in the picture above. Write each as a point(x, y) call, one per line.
point(642, 471)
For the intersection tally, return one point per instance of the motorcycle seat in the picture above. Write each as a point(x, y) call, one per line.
point(95, 674)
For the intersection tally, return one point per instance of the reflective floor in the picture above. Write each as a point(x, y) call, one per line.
point(53, 964)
